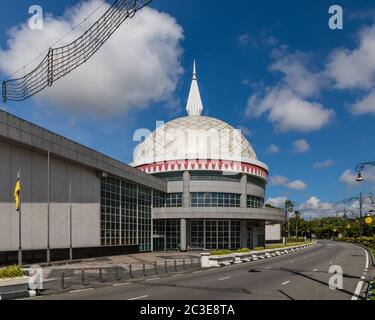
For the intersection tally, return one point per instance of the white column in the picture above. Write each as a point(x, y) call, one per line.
point(183, 235)
point(186, 190)
point(244, 191)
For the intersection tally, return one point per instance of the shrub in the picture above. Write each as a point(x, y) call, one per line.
point(11, 272)
point(243, 250)
point(220, 252)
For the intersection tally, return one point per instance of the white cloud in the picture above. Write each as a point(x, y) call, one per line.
point(139, 64)
point(365, 105)
point(279, 180)
point(314, 203)
point(351, 69)
point(316, 208)
point(245, 40)
point(278, 202)
point(349, 179)
point(289, 112)
point(297, 185)
point(296, 76)
point(324, 164)
point(301, 146)
point(273, 149)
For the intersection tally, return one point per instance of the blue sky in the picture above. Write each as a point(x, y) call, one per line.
point(251, 49)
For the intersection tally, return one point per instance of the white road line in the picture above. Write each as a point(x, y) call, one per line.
point(137, 298)
point(285, 283)
point(226, 278)
point(360, 283)
point(152, 279)
point(363, 278)
point(197, 271)
point(120, 284)
point(315, 270)
point(82, 290)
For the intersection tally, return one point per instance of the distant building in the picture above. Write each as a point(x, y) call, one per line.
point(164, 201)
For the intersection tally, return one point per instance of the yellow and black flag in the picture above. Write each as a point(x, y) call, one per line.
point(17, 192)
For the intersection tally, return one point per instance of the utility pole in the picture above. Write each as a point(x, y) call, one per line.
point(360, 213)
point(48, 207)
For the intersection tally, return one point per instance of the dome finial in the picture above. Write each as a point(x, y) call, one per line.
point(194, 105)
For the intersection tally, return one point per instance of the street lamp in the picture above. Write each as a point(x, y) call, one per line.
point(360, 168)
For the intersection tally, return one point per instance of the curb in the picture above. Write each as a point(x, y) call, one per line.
point(18, 295)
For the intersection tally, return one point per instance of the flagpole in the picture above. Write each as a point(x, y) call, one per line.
point(48, 210)
point(19, 227)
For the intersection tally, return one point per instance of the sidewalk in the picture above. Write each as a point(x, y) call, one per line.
point(108, 270)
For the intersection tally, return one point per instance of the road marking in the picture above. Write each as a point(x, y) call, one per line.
point(197, 271)
point(137, 298)
point(285, 283)
point(292, 261)
point(363, 278)
point(82, 290)
point(152, 279)
point(226, 278)
point(268, 268)
point(360, 283)
point(315, 270)
point(120, 284)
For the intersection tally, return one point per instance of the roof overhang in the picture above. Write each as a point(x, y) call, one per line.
point(264, 214)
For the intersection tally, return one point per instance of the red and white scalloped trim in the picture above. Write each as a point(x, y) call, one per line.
point(205, 165)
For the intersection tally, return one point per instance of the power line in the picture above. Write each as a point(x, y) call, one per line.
point(62, 60)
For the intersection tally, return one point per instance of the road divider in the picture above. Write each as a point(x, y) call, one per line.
point(217, 261)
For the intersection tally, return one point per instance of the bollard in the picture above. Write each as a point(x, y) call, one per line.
point(175, 266)
point(130, 271)
point(166, 266)
point(155, 268)
point(62, 280)
point(144, 270)
point(184, 264)
point(100, 275)
point(83, 277)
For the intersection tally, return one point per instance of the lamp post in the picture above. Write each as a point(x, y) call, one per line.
point(361, 199)
point(361, 167)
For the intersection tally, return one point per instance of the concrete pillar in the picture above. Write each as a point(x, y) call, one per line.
point(244, 191)
point(186, 190)
point(243, 230)
point(183, 235)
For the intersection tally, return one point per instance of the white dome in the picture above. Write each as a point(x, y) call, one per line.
point(197, 143)
point(194, 138)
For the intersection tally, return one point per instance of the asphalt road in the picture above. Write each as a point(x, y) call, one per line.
point(300, 276)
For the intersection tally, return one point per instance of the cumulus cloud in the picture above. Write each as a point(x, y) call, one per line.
point(278, 202)
point(297, 185)
point(279, 180)
point(139, 64)
point(315, 203)
point(316, 208)
point(296, 74)
point(301, 146)
point(348, 177)
point(365, 105)
point(289, 112)
point(272, 149)
point(354, 69)
point(323, 164)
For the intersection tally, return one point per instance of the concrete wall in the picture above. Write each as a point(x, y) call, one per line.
point(273, 232)
point(216, 186)
point(34, 177)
